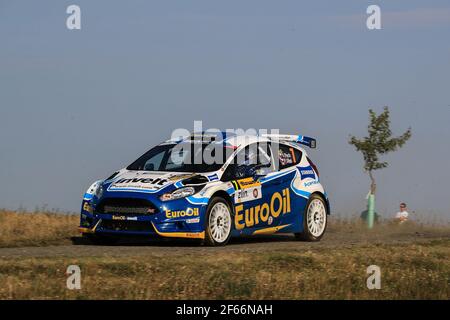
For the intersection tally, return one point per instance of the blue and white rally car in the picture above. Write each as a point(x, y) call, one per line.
point(210, 188)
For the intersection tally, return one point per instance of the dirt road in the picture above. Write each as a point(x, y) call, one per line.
point(335, 237)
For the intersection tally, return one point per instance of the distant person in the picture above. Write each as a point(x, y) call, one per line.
point(402, 215)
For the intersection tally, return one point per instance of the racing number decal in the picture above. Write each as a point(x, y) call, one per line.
point(293, 154)
point(246, 190)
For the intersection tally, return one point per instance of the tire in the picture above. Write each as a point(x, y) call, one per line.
point(315, 219)
point(102, 240)
point(218, 222)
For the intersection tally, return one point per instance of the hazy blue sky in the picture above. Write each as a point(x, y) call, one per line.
point(77, 105)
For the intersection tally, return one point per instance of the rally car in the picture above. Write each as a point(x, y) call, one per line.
point(200, 187)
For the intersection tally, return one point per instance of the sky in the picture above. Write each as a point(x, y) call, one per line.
point(76, 105)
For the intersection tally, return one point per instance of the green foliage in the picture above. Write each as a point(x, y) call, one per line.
point(379, 141)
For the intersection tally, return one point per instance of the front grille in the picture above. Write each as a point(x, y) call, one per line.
point(126, 206)
point(139, 226)
point(124, 210)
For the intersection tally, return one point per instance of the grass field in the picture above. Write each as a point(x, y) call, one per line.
point(35, 229)
point(414, 263)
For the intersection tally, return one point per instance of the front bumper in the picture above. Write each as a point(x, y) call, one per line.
point(156, 232)
point(174, 219)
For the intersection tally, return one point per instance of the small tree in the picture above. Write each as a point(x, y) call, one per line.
point(378, 142)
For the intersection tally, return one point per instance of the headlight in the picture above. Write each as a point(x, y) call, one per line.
point(99, 192)
point(178, 194)
point(96, 189)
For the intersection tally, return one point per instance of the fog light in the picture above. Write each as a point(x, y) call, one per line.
point(87, 207)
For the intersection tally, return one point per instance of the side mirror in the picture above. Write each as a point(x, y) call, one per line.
point(261, 171)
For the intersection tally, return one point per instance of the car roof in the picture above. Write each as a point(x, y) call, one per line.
point(229, 139)
point(218, 137)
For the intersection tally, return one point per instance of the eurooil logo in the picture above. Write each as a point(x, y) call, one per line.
point(280, 203)
point(189, 212)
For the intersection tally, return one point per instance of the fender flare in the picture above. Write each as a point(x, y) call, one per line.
point(226, 196)
point(320, 194)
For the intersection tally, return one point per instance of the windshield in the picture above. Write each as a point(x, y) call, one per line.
point(183, 157)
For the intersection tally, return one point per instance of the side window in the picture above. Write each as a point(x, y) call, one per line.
point(288, 156)
point(247, 161)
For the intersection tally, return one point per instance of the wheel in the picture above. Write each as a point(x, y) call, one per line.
point(218, 222)
point(102, 240)
point(314, 219)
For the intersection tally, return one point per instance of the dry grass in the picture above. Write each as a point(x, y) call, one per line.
point(414, 261)
point(408, 271)
point(36, 229)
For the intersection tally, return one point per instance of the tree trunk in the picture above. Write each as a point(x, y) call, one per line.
point(373, 185)
point(371, 202)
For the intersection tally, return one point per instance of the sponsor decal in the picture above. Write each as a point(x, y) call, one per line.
point(247, 194)
point(116, 217)
point(152, 181)
point(245, 183)
point(311, 183)
point(176, 177)
point(270, 230)
point(144, 183)
point(189, 212)
point(213, 177)
point(307, 172)
point(193, 220)
point(280, 203)
point(285, 158)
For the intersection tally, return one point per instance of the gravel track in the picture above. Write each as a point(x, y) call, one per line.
point(276, 243)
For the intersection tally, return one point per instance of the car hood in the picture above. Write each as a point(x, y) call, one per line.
point(147, 181)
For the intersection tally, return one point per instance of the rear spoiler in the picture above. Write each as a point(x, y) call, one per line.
point(307, 141)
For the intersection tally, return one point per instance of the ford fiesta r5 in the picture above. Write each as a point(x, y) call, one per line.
point(256, 185)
